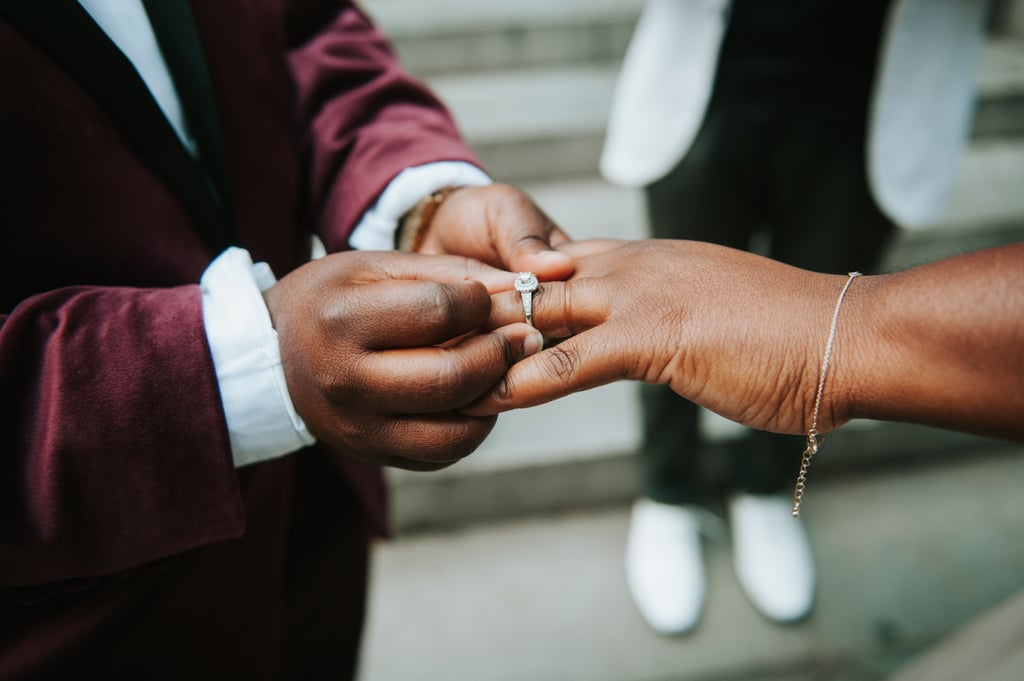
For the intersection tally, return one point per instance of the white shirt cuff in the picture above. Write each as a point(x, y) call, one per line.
point(376, 231)
point(262, 421)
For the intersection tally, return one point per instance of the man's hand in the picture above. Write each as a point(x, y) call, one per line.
point(735, 332)
point(501, 226)
point(381, 350)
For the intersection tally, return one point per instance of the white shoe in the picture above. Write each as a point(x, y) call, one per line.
point(772, 556)
point(664, 566)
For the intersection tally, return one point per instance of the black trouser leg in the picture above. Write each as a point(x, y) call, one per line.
point(796, 175)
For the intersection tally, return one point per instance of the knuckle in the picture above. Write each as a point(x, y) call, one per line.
point(444, 301)
point(492, 355)
point(504, 391)
point(446, 382)
point(503, 199)
point(440, 304)
point(562, 363)
point(459, 376)
point(500, 192)
point(567, 306)
point(334, 313)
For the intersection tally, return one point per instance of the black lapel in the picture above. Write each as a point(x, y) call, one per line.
point(65, 31)
point(175, 30)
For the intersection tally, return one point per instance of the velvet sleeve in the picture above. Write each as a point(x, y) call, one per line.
point(364, 119)
point(115, 451)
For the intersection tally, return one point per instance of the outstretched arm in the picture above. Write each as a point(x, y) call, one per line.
point(939, 344)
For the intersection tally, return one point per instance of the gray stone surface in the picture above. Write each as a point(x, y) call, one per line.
point(905, 555)
point(1015, 19)
point(533, 124)
point(989, 189)
point(460, 36)
point(442, 17)
point(531, 82)
point(1008, 19)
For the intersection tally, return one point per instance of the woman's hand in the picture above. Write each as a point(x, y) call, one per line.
point(740, 334)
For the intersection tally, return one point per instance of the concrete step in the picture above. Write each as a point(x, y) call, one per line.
point(903, 558)
point(460, 36)
point(463, 36)
point(547, 123)
point(1000, 111)
point(579, 451)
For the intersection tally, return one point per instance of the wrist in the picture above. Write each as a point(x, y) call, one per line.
point(852, 355)
point(414, 225)
point(378, 228)
point(260, 417)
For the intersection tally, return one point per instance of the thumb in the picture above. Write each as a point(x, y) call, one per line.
point(526, 239)
point(578, 363)
point(534, 254)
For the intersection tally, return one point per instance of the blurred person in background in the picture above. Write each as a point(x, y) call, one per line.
point(804, 129)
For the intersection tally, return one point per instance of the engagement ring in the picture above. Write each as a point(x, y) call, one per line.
point(526, 284)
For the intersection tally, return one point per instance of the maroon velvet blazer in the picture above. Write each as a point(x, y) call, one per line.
point(129, 545)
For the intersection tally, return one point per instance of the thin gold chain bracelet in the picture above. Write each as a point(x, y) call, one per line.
point(814, 439)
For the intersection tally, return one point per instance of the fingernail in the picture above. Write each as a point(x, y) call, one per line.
point(553, 263)
point(551, 254)
point(533, 343)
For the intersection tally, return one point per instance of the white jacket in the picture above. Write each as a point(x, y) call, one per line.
point(921, 108)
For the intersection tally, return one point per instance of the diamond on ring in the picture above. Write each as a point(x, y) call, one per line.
point(526, 284)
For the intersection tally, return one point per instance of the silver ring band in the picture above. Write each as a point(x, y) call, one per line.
point(528, 306)
point(526, 284)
